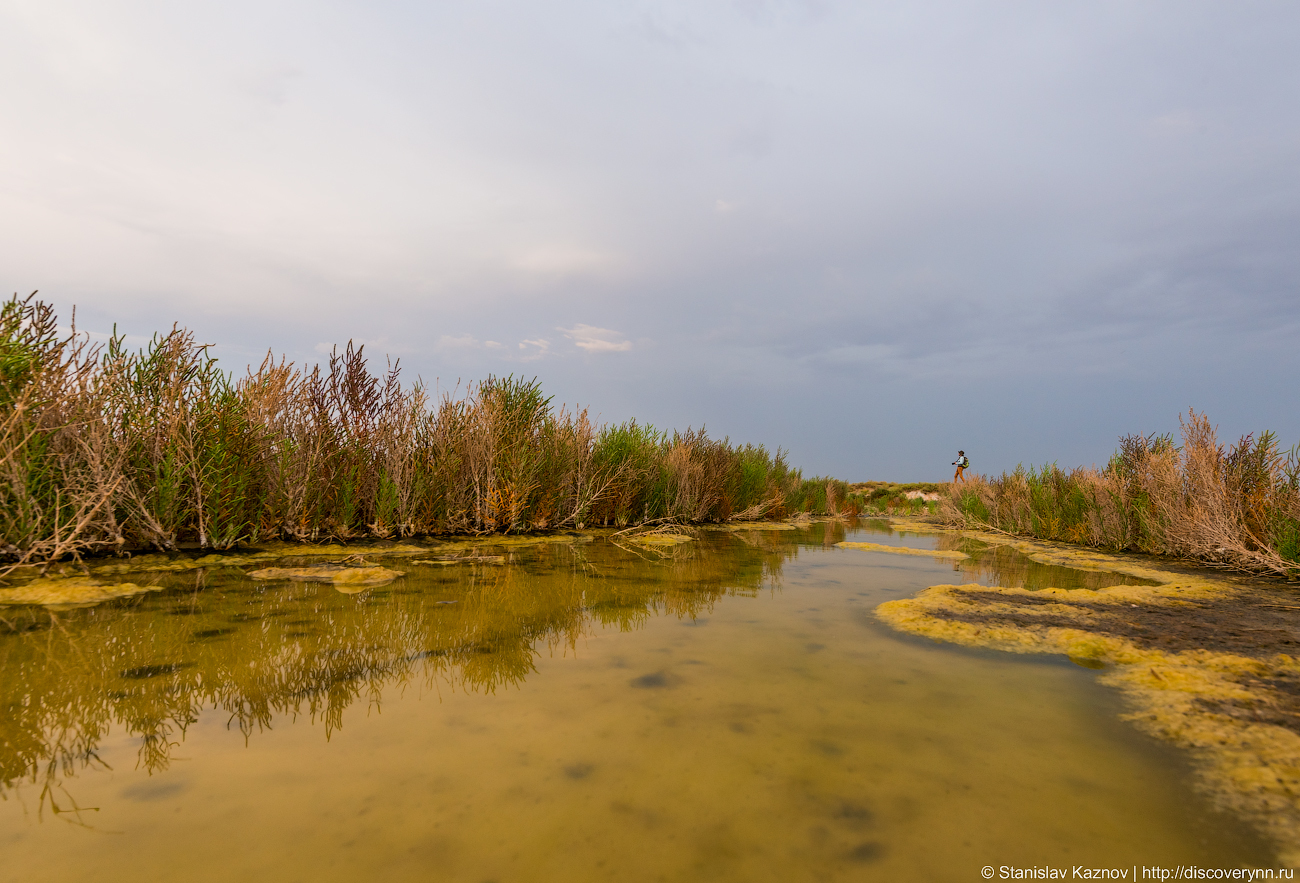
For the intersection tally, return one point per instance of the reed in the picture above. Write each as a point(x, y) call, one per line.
point(1235, 506)
point(106, 449)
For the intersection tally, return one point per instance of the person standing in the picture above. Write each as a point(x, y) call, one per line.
point(961, 463)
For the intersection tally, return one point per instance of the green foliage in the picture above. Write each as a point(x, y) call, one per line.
point(29, 346)
point(113, 448)
point(1238, 507)
point(632, 456)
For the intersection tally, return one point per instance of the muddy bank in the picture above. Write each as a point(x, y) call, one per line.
point(1205, 661)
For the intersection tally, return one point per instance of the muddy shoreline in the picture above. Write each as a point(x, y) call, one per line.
point(1204, 660)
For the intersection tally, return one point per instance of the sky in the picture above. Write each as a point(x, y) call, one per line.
point(867, 233)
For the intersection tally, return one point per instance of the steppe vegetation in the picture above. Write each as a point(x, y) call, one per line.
point(103, 449)
point(1235, 506)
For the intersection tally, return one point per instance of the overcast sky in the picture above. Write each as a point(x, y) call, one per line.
point(869, 233)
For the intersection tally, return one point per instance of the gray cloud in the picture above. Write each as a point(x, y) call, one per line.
point(868, 232)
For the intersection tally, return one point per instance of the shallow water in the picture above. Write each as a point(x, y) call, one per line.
point(1001, 565)
point(727, 709)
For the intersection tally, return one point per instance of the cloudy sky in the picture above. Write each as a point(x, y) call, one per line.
point(869, 233)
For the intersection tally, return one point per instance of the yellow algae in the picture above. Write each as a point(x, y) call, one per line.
point(541, 540)
point(331, 550)
point(166, 564)
point(163, 564)
point(902, 550)
point(278, 551)
point(63, 592)
point(512, 542)
point(1215, 704)
point(1251, 766)
point(918, 525)
point(659, 539)
point(349, 576)
point(462, 559)
point(756, 525)
point(1078, 557)
point(798, 522)
point(366, 575)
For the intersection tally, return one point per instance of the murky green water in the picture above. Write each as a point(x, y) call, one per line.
point(726, 709)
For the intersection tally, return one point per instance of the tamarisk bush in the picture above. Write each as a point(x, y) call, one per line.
point(105, 449)
point(1237, 507)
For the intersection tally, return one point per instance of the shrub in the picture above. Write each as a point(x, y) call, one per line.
point(1237, 507)
point(106, 449)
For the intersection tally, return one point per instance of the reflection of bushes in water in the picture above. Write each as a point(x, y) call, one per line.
point(1238, 507)
point(106, 449)
point(823, 533)
point(1007, 566)
point(253, 653)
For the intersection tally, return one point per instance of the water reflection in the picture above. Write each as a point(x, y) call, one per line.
point(1004, 566)
point(217, 639)
point(663, 732)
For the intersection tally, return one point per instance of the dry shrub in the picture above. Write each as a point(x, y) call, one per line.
point(1239, 507)
point(108, 449)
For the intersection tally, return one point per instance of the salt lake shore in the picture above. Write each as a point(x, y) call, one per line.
point(1204, 660)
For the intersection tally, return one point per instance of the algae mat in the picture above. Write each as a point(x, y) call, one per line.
point(68, 592)
point(951, 554)
point(584, 712)
point(1204, 662)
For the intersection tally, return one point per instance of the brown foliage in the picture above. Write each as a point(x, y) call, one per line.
point(107, 449)
point(1238, 507)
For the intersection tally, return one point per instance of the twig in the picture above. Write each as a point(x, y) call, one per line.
point(665, 520)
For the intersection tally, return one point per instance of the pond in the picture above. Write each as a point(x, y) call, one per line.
point(584, 708)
